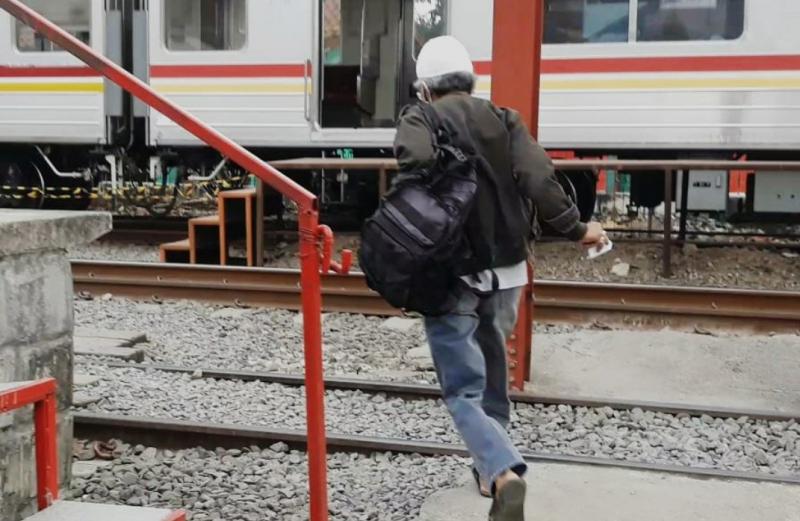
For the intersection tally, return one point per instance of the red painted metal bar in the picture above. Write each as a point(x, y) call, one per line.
point(516, 67)
point(517, 56)
point(26, 394)
point(44, 414)
point(42, 395)
point(310, 285)
point(309, 232)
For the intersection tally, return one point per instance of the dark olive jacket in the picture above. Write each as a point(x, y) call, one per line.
point(520, 170)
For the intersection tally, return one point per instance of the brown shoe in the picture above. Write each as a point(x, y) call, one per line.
point(509, 501)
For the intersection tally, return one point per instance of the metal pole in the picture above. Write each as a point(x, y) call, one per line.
point(684, 204)
point(667, 253)
point(259, 225)
point(44, 412)
point(310, 284)
point(538, 36)
point(516, 69)
point(516, 57)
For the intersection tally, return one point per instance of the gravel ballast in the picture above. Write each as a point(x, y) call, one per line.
point(734, 444)
point(198, 335)
point(253, 484)
point(115, 251)
point(192, 334)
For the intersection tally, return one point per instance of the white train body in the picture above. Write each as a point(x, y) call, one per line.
point(50, 97)
point(267, 88)
point(632, 78)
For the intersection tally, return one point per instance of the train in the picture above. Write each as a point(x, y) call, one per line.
point(666, 79)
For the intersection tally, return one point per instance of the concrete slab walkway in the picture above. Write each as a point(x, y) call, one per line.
point(756, 373)
point(560, 492)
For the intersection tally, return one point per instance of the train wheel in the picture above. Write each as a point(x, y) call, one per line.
point(21, 185)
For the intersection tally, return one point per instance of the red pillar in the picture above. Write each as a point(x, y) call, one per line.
point(516, 66)
point(517, 56)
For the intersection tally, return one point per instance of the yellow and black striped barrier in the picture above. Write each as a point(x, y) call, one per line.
point(143, 193)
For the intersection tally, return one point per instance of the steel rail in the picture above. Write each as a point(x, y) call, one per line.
point(181, 434)
point(556, 301)
point(431, 392)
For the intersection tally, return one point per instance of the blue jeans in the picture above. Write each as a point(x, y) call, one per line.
point(469, 351)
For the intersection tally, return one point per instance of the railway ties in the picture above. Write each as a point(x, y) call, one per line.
point(262, 480)
point(637, 305)
point(155, 405)
point(246, 420)
point(390, 472)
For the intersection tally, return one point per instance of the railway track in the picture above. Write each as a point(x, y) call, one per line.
point(427, 392)
point(181, 434)
point(556, 301)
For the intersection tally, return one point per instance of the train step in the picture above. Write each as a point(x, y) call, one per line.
point(241, 193)
point(204, 240)
point(175, 252)
point(238, 216)
point(75, 511)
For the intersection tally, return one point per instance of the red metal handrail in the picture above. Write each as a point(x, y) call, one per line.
point(311, 235)
point(42, 394)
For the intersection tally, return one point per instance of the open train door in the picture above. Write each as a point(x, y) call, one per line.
point(366, 52)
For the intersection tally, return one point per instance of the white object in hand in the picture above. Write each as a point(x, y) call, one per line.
point(600, 249)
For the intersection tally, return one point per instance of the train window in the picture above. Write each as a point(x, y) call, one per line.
point(205, 25)
point(682, 20)
point(586, 21)
point(73, 15)
point(332, 26)
point(430, 21)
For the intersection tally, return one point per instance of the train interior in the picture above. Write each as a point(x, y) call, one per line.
point(368, 60)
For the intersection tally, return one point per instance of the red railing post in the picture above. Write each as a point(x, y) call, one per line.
point(309, 231)
point(42, 394)
point(310, 284)
point(44, 412)
point(516, 66)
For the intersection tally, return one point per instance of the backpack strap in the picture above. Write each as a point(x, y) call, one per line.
point(442, 136)
point(434, 120)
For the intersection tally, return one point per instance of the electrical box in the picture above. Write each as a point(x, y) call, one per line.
point(708, 190)
point(777, 192)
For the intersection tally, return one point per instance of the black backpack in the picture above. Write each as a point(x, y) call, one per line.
point(411, 244)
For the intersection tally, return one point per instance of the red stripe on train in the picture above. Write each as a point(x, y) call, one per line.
point(39, 72)
point(228, 71)
point(549, 66)
point(662, 64)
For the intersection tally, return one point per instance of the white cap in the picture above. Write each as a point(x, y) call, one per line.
point(443, 55)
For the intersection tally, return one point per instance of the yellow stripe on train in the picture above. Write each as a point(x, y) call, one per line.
point(235, 88)
point(606, 84)
point(58, 87)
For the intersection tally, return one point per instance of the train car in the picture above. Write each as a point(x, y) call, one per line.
point(627, 78)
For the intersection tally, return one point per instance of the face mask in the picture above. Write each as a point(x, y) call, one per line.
point(424, 93)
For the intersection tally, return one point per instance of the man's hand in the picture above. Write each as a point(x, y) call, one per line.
point(594, 234)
